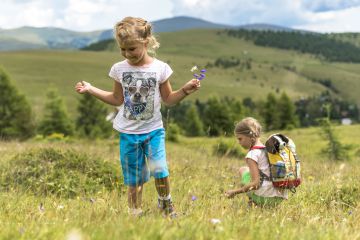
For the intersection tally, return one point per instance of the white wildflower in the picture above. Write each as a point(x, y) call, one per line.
point(215, 221)
point(194, 68)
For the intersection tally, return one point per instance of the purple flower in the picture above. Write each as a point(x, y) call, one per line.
point(193, 198)
point(199, 76)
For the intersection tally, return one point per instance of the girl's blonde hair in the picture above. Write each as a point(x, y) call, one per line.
point(132, 29)
point(249, 127)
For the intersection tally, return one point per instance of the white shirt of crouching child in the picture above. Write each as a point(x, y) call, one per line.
point(266, 189)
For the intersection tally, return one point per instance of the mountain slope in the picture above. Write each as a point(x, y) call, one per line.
point(57, 38)
point(47, 37)
point(10, 44)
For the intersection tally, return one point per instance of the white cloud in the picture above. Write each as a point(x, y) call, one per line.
point(80, 15)
point(33, 13)
point(346, 20)
point(85, 15)
point(329, 5)
point(317, 15)
point(241, 11)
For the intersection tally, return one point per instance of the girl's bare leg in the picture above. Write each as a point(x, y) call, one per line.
point(135, 196)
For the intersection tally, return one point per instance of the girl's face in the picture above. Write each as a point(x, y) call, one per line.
point(244, 141)
point(134, 52)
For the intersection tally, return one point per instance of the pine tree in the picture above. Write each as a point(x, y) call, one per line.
point(287, 113)
point(217, 117)
point(16, 118)
point(193, 124)
point(271, 113)
point(55, 119)
point(335, 150)
point(91, 121)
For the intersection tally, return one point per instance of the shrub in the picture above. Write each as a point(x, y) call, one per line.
point(227, 149)
point(173, 132)
point(91, 122)
point(55, 119)
point(64, 173)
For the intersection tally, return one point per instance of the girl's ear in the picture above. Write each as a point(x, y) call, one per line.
point(253, 140)
point(146, 43)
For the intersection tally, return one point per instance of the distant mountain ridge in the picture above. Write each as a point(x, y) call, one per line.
point(57, 38)
point(46, 37)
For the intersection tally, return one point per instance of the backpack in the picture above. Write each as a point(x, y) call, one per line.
point(283, 161)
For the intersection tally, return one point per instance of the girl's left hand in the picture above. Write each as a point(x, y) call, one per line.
point(192, 86)
point(230, 193)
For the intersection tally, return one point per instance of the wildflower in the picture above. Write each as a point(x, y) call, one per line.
point(200, 76)
point(60, 207)
point(194, 68)
point(215, 221)
point(193, 198)
point(74, 234)
point(342, 166)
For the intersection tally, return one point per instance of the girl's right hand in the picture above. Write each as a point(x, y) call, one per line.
point(230, 193)
point(82, 87)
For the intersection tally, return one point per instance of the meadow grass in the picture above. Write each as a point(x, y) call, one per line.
point(325, 206)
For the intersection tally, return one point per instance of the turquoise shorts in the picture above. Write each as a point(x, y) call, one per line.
point(142, 156)
point(259, 200)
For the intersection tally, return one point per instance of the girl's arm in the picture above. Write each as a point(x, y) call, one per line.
point(255, 180)
point(171, 97)
point(115, 98)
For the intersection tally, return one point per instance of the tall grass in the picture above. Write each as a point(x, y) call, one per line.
point(326, 205)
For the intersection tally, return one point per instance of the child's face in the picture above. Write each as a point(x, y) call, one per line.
point(244, 141)
point(134, 52)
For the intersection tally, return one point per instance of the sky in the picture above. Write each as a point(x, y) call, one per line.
point(88, 15)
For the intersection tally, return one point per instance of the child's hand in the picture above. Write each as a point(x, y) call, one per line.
point(230, 193)
point(191, 86)
point(82, 87)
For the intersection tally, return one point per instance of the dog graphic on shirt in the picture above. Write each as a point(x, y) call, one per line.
point(139, 92)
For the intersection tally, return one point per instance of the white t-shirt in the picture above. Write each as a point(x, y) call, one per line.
point(140, 112)
point(266, 189)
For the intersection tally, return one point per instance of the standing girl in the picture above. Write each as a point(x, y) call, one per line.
point(140, 83)
point(259, 190)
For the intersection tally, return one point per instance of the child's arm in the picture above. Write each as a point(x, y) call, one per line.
point(115, 98)
point(253, 185)
point(171, 97)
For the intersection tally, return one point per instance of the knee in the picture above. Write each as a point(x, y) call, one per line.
point(242, 170)
point(135, 189)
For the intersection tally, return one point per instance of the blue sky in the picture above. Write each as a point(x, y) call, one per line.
point(87, 15)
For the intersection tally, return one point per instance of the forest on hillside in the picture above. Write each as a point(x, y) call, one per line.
point(313, 43)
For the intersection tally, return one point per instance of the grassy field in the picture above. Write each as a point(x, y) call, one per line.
point(326, 205)
point(34, 72)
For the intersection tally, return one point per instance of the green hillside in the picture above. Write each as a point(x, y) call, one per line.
point(271, 70)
